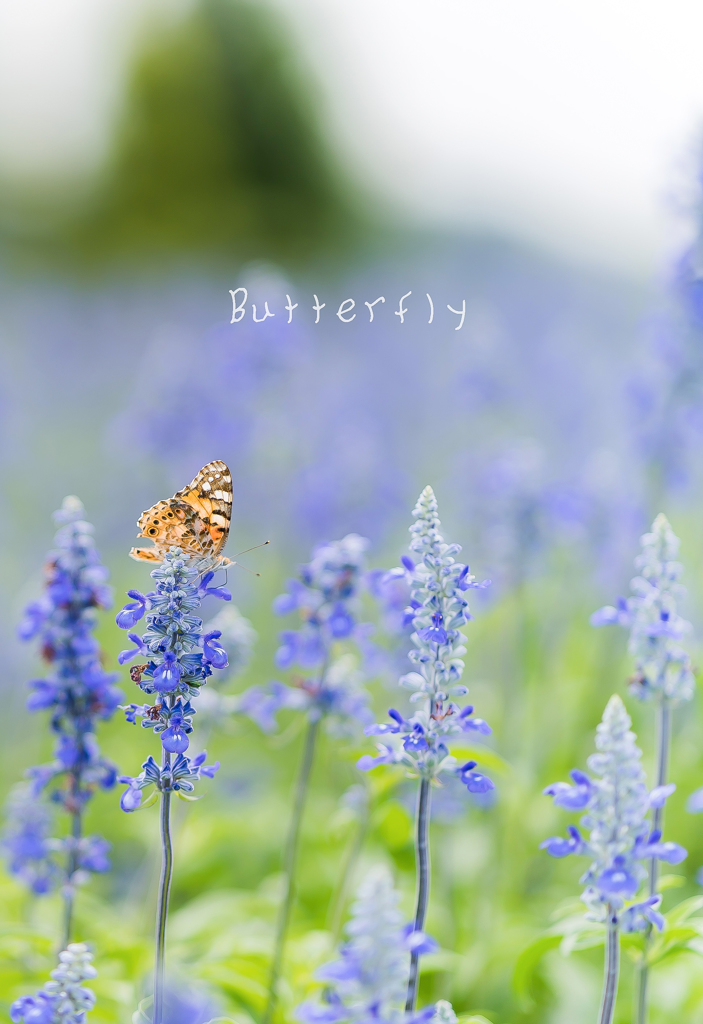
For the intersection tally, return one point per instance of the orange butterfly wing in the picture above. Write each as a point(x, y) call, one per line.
point(196, 519)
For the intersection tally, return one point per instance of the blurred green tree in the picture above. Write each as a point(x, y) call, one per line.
point(217, 150)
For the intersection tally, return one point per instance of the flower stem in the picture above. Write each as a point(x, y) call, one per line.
point(72, 863)
point(612, 970)
point(162, 905)
point(289, 866)
point(350, 862)
point(663, 743)
point(422, 861)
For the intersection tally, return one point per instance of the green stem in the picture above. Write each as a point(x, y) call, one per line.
point(72, 862)
point(289, 866)
point(612, 970)
point(422, 860)
point(350, 863)
point(663, 744)
point(162, 904)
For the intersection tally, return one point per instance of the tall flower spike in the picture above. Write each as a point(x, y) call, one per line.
point(78, 693)
point(662, 666)
point(331, 691)
point(63, 1000)
point(179, 659)
point(369, 979)
point(325, 597)
point(438, 609)
point(616, 803)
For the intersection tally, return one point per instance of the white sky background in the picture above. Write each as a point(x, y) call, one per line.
point(567, 122)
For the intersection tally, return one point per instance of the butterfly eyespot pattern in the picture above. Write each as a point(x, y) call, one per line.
point(196, 519)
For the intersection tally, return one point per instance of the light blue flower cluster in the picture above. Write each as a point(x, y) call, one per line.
point(63, 1000)
point(325, 598)
point(663, 667)
point(439, 609)
point(27, 843)
point(179, 660)
point(78, 692)
point(369, 979)
point(238, 636)
point(616, 803)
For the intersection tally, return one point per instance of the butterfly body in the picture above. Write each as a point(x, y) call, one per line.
point(196, 519)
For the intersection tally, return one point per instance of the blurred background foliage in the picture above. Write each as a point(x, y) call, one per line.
point(553, 427)
point(217, 153)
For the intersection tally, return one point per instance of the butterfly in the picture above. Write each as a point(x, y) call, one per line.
point(196, 519)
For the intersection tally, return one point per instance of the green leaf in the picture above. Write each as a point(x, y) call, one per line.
point(670, 882)
point(682, 911)
point(527, 964)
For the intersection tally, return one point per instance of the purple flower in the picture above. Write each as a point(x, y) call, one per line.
point(262, 705)
point(660, 794)
point(168, 674)
point(557, 846)
point(213, 652)
point(475, 782)
point(132, 612)
point(618, 881)
point(652, 846)
point(573, 798)
point(284, 604)
point(204, 590)
point(286, 653)
point(386, 756)
point(63, 1000)
point(324, 596)
point(610, 616)
point(205, 769)
point(469, 724)
point(435, 633)
point(77, 691)
point(174, 738)
point(35, 615)
point(140, 648)
point(340, 621)
point(92, 855)
point(639, 915)
point(416, 739)
point(418, 942)
point(131, 798)
point(37, 1009)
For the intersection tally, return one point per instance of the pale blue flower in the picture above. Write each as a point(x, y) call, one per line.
point(438, 610)
point(662, 666)
point(63, 1000)
point(369, 979)
point(616, 803)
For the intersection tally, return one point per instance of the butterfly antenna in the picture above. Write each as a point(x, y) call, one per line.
point(247, 550)
point(245, 567)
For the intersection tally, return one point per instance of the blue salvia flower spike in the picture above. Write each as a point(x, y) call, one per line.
point(179, 657)
point(64, 999)
point(78, 693)
point(325, 597)
point(663, 671)
point(438, 611)
point(369, 979)
point(620, 841)
point(662, 667)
